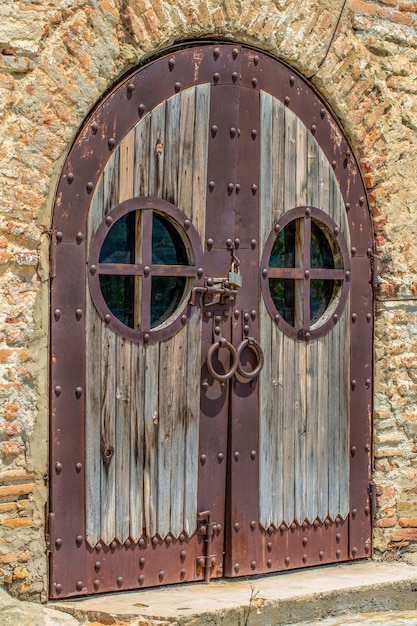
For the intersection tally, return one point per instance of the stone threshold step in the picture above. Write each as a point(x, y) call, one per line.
point(277, 599)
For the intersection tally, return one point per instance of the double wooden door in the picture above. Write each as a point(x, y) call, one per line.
point(211, 327)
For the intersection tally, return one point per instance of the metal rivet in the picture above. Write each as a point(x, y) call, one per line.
point(171, 63)
point(304, 558)
point(233, 132)
point(230, 187)
point(57, 314)
point(78, 392)
point(177, 87)
point(269, 563)
point(128, 543)
point(79, 540)
point(287, 100)
point(287, 560)
point(141, 579)
point(316, 523)
point(292, 81)
point(338, 537)
point(308, 211)
point(354, 551)
point(168, 540)
point(98, 547)
point(94, 127)
point(70, 177)
point(59, 236)
point(79, 237)
point(269, 546)
point(203, 459)
point(58, 467)
point(336, 230)
point(142, 542)
point(293, 526)
point(236, 526)
point(254, 82)
point(236, 456)
point(367, 448)
point(353, 251)
point(216, 77)
point(237, 188)
point(335, 318)
point(321, 555)
point(220, 457)
point(253, 455)
point(97, 566)
point(361, 202)
point(146, 270)
point(304, 525)
point(141, 109)
point(314, 129)
point(252, 525)
point(96, 584)
point(367, 383)
point(270, 530)
point(367, 510)
point(353, 450)
point(338, 553)
point(253, 564)
point(254, 133)
point(347, 275)
point(155, 541)
point(236, 567)
point(367, 548)
point(78, 314)
point(161, 574)
point(354, 317)
point(353, 384)
point(235, 52)
point(354, 512)
point(283, 528)
point(90, 187)
point(229, 243)
point(93, 269)
point(216, 53)
point(265, 272)
point(348, 206)
point(235, 76)
point(58, 587)
point(307, 274)
point(307, 336)
point(322, 113)
point(214, 130)
point(327, 523)
point(236, 314)
point(78, 467)
point(334, 164)
point(254, 189)
point(183, 555)
point(58, 390)
point(183, 573)
point(368, 317)
point(79, 585)
point(305, 541)
point(212, 185)
point(107, 318)
point(184, 319)
point(111, 143)
point(131, 88)
point(113, 545)
point(187, 224)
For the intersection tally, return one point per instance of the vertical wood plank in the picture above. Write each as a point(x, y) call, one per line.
point(322, 445)
point(122, 452)
point(141, 165)
point(93, 390)
point(202, 110)
point(150, 471)
point(186, 149)
point(313, 383)
point(137, 437)
point(173, 111)
point(344, 430)
point(279, 156)
point(301, 478)
point(289, 429)
point(108, 437)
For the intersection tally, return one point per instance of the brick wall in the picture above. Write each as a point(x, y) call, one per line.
point(56, 58)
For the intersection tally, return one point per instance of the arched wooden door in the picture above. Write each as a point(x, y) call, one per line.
point(211, 329)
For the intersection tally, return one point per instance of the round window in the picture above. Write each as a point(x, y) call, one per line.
point(305, 273)
point(144, 258)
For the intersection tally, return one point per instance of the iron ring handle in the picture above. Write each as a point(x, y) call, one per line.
point(255, 346)
point(222, 343)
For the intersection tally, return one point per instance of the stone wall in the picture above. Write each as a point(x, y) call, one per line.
point(56, 59)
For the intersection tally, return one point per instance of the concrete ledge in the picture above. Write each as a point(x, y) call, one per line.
point(288, 598)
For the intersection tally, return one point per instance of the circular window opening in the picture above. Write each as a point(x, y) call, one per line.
point(143, 262)
point(305, 273)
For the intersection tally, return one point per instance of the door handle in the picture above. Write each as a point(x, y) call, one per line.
point(254, 345)
point(222, 343)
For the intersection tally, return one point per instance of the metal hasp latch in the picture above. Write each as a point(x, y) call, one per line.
point(207, 528)
point(214, 287)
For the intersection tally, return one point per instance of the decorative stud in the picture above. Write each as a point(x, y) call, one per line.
point(79, 585)
point(79, 540)
point(287, 560)
point(220, 457)
point(254, 133)
point(253, 564)
point(305, 541)
point(184, 319)
point(287, 100)
point(142, 542)
point(236, 526)
point(58, 542)
point(57, 314)
point(235, 77)
point(236, 567)
point(119, 581)
point(177, 87)
point(338, 553)
point(292, 81)
point(183, 555)
point(78, 392)
point(58, 390)
point(98, 547)
point(233, 132)
point(90, 187)
point(334, 164)
point(236, 456)
point(353, 384)
point(321, 555)
point(354, 317)
point(78, 467)
point(348, 206)
point(70, 177)
point(141, 109)
point(322, 113)
point(141, 579)
point(78, 314)
point(254, 82)
point(211, 185)
point(203, 459)
point(171, 64)
point(304, 558)
point(96, 584)
point(313, 129)
point(97, 566)
point(216, 53)
point(216, 77)
point(235, 52)
point(254, 189)
point(168, 540)
point(155, 541)
point(94, 128)
point(113, 546)
point(252, 525)
point(111, 143)
point(59, 236)
point(58, 587)
point(130, 88)
point(269, 562)
point(354, 551)
point(79, 237)
point(354, 514)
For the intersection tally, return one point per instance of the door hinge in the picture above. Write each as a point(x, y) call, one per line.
point(206, 528)
point(372, 497)
point(374, 269)
point(49, 529)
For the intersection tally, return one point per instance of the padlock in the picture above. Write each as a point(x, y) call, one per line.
point(235, 278)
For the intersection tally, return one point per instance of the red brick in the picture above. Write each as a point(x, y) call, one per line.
point(359, 6)
point(405, 534)
point(395, 16)
point(12, 448)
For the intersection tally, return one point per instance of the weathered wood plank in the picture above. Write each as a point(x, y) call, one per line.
point(186, 151)
point(157, 151)
point(151, 417)
point(289, 429)
point(301, 477)
point(322, 443)
point(93, 390)
point(344, 430)
point(172, 150)
point(141, 165)
point(122, 451)
point(202, 111)
point(137, 437)
point(108, 436)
